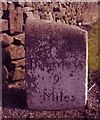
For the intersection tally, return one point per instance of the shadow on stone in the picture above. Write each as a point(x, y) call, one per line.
point(14, 98)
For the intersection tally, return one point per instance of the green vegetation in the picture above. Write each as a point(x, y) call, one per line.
point(94, 47)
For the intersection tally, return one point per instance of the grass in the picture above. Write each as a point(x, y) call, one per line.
point(94, 44)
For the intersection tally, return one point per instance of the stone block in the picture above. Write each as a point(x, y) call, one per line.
point(6, 38)
point(56, 65)
point(19, 19)
point(16, 52)
point(3, 5)
point(19, 74)
point(12, 18)
point(15, 18)
point(3, 25)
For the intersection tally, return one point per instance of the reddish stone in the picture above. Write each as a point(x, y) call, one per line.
point(19, 19)
point(3, 5)
point(12, 18)
point(28, 3)
point(19, 74)
point(16, 52)
point(6, 38)
point(3, 25)
point(15, 18)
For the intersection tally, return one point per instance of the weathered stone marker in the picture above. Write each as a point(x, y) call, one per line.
point(56, 65)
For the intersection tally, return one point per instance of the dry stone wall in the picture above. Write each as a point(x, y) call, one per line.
point(13, 16)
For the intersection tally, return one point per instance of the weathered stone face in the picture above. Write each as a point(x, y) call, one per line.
point(3, 25)
point(56, 65)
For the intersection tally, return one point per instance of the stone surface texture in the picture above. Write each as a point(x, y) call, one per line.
point(6, 38)
point(3, 5)
point(3, 25)
point(16, 52)
point(13, 16)
point(56, 65)
point(19, 74)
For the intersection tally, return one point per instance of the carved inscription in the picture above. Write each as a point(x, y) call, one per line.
point(52, 65)
point(58, 97)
